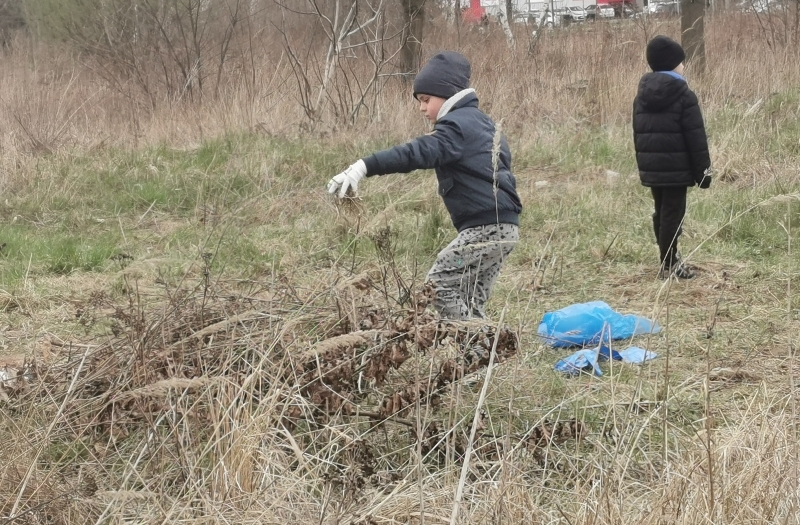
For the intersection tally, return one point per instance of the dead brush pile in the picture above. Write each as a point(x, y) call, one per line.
point(172, 372)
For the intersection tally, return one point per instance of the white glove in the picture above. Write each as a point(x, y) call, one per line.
point(348, 179)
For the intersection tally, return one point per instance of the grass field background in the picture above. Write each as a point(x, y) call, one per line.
point(109, 211)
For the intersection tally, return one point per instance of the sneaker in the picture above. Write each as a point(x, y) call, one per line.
point(684, 271)
point(680, 271)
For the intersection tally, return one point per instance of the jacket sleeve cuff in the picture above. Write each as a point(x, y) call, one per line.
point(372, 165)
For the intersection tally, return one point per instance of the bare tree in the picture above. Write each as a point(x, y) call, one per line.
point(504, 17)
point(414, 18)
point(692, 32)
point(344, 73)
point(779, 21)
point(175, 47)
point(451, 9)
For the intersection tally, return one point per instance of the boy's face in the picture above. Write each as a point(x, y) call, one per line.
point(679, 69)
point(430, 106)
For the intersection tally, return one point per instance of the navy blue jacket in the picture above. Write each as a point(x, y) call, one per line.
point(668, 132)
point(460, 151)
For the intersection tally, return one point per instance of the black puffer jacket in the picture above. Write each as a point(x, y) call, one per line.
point(460, 150)
point(668, 132)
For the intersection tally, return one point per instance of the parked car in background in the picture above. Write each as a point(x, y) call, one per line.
point(663, 8)
point(607, 12)
point(594, 12)
point(575, 13)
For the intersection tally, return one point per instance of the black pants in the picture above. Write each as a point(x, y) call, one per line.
point(670, 205)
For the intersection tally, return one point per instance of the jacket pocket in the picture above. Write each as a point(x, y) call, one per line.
point(445, 185)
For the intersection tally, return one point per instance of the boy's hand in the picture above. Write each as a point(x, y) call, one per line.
point(705, 182)
point(348, 179)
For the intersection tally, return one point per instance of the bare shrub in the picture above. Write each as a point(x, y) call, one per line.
point(340, 65)
point(174, 49)
point(779, 21)
point(44, 120)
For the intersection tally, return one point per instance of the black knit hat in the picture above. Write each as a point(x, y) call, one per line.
point(444, 75)
point(664, 54)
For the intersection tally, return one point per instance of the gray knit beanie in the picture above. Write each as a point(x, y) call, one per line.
point(444, 75)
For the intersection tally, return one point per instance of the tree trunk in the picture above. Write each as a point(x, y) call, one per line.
point(411, 53)
point(692, 33)
point(452, 11)
point(504, 17)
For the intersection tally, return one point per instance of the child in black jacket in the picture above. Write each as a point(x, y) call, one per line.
point(671, 146)
point(475, 182)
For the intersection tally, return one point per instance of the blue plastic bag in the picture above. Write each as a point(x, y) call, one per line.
point(580, 361)
point(637, 355)
point(587, 324)
point(607, 353)
point(587, 360)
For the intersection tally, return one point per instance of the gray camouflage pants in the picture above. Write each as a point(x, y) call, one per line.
point(466, 270)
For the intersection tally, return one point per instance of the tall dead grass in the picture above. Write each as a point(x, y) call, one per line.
point(581, 78)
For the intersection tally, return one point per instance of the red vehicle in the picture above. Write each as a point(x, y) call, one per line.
point(473, 14)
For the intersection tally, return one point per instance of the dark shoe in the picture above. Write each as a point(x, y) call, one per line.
point(684, 271)
point(680, 271)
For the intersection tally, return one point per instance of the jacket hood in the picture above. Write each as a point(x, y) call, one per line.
point(461, 99)
point(657, 91)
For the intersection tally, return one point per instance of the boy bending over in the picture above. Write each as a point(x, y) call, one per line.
point(475, 182)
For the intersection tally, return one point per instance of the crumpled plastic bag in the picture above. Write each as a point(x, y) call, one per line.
point(580, 361)
point(587, 360)
point(587, 324)
point(637, 355)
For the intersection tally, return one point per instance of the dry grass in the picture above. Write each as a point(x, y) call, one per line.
point(313, 392)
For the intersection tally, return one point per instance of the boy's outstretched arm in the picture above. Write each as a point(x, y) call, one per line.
point(442, 146)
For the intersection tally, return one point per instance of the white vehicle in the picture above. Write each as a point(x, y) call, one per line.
point(663, 8)
point(593, 12)
point(576, 13)
point(605, 11)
